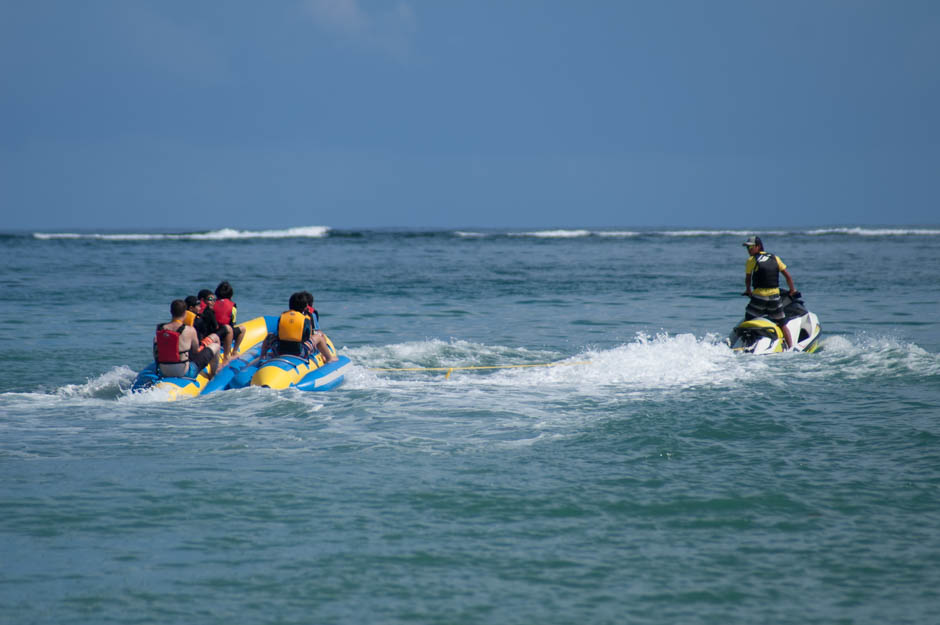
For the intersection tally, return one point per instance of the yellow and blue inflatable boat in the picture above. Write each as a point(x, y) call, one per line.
point(249, 369)
point(280, 371)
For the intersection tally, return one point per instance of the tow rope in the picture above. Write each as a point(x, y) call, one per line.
point(450, 370)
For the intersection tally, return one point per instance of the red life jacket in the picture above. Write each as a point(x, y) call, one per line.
point(224, 312)
point(167, 348)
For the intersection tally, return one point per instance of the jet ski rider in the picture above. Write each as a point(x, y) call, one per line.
point(762, 272)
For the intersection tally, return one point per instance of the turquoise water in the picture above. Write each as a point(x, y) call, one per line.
point(652, 476)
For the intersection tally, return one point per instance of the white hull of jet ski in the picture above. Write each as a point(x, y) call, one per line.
point(763, 336)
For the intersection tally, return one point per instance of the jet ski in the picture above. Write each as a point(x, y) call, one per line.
point(763, 336)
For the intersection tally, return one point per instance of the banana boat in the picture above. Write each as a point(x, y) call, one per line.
point(251, 368)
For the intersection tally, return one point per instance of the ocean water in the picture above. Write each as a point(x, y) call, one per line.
point(623, 466)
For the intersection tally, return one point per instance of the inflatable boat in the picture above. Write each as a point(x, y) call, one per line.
point(281, 371)
point(179, 387)
point(251, 369)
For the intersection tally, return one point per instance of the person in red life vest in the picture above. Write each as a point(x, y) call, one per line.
point(294, 335)
point(225, 313)
point(177, 349)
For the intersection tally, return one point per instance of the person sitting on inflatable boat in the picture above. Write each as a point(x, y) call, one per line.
point(206, 327)
point(311, 312)
point(206, 322)
point(177, 349)
point(225, 313)
point(192, 313)
point(319, 336)
point(295, 336)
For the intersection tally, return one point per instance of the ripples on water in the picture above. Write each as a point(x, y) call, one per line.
point(651, 476)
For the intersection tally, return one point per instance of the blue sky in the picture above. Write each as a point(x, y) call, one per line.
point(127, 114)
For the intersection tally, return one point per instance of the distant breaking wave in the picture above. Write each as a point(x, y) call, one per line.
point(554, 234)
point(549, 234)
point(876, 232)
point(581, 233)
point(314, 232)
point(719, 233)
point(317, 232)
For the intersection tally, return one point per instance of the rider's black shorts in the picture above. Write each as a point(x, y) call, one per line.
point(768, 306)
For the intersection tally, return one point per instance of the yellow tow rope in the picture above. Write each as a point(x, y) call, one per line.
point(450, 370)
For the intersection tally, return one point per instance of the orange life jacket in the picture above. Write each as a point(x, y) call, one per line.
point(290, 327)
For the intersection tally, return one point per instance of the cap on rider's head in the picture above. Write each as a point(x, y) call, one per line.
point(751, 241)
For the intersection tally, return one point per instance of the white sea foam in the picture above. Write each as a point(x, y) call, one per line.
point(550, 234)
point(648, 364)
point(109, 384)
point(315, 232)
point(105, 237)
point(854, 231)
point(876, 232)
point(660, 362)
point(663, 362)
point(617, 233)
point(323, 231)
point(554, 234)
point(153, 395)
point(717, 233)
point(704, 232)
point(878, 357)
point(436, 353)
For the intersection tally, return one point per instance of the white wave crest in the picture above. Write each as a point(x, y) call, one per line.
point(716, 233)
point(855, 231)
point(876, 232)
point(617, 233)
point(315, 232)
point(554, 234)
point(45, 236)
point(108, 385)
